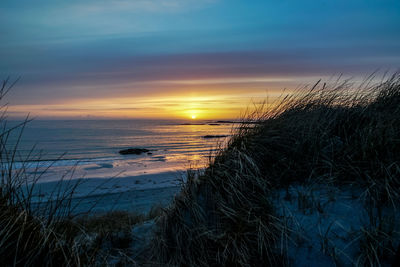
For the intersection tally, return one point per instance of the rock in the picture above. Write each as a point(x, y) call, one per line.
point(134, 151)
point(214, 136)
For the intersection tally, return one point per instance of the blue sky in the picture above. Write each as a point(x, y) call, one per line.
point(70, 52)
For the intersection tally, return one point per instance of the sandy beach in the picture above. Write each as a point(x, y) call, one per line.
point(130, 193)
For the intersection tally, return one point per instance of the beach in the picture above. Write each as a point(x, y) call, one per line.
point(84, 155)
point(98, 195)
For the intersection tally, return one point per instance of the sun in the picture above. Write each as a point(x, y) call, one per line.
point(194, 117)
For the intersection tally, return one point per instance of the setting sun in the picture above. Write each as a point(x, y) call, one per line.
point(193, 117)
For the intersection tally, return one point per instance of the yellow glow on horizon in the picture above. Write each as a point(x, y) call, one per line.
point(195, 105)
point(186, 99)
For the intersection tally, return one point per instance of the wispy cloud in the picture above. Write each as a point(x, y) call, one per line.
point(81, 50)
point(156, 6)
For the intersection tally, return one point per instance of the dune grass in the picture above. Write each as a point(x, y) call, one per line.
point(340, 134)
point(30, 235)
point(49, 232)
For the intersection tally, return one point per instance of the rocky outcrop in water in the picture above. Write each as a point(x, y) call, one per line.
point(133, 151)
point(214, 136)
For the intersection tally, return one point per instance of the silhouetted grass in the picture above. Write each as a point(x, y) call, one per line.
point(338, 134)
point(31, 235)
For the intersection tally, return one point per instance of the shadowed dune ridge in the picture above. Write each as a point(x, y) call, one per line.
point(339, 134)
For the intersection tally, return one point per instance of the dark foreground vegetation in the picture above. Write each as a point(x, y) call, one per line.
point(339, 135)
point(336, 135)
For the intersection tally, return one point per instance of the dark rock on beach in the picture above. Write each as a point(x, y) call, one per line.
point(214, 136)
point(133, 151)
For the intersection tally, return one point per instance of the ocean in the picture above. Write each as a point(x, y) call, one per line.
point(92, 147)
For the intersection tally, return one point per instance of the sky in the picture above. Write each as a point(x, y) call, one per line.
point(208, 59)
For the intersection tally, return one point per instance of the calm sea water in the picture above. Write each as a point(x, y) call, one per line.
point(94, 144)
